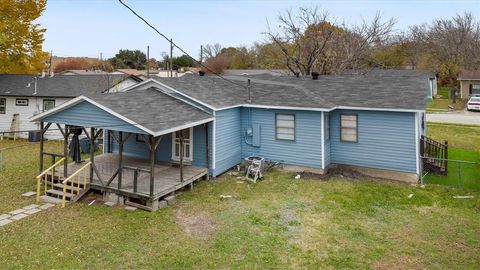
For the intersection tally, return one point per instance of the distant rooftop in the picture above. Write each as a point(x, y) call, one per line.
point(82, 72)
point(56, 86)
point(469, 75)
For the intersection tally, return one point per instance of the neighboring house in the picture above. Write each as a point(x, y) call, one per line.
point(369, 123)
point(23, 96)
point(469, 83)
point(82, 72)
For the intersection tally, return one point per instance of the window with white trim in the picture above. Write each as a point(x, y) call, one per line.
point(187, 144)
point(348, 127)
point(3, 105)
point(48, 104)
point(285, 127)
point(21, 102)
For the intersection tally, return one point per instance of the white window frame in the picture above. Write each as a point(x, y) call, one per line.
point(277, 127)
point(4, 105)
point(21, 102)
point(48, 100)
point(177, 158)
point(342, 139)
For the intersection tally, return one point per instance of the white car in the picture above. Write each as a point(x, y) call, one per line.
point(473, 104)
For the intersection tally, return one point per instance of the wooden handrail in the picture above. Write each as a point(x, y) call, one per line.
point(71, 178)
point(44, 173)
point(51, 167)
point(77, 172)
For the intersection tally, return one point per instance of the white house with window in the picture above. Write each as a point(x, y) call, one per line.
point(24, 96)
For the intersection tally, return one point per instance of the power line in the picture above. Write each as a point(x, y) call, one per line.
point(176, 46)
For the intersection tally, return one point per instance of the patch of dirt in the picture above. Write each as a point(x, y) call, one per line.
point(196, 224)
point(399, 262)
point(339, 172)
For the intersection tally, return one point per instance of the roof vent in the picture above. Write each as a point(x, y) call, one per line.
point(315, 75)
point(201, 73)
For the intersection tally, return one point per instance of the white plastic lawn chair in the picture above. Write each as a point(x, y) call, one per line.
point(254, 170)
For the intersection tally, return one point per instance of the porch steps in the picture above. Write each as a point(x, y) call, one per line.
point(55, 193)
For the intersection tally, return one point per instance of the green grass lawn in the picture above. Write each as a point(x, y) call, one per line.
point(444, 92)
point(458, 136)
point(277, 223)
point(443, 104)
point(464, 144)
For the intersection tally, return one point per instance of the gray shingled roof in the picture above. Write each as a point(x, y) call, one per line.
point(384, 90)
point(151, 108)
point(56, 86)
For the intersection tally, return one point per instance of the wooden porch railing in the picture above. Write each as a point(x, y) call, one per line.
point(80, 179)
point(44, 175)
point(136, 172)
point(434, 155)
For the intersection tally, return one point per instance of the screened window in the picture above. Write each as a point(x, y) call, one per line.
point(3, 105)
point(348, 128)
point(285, 127)
point(48, 104)
point(21, 102)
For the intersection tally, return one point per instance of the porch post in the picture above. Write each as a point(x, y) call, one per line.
point(92, 152)
point(65, 150)
point(181, 154)
point(41, 147)
point(120, 158)
point(152, 164)
point(207, 150)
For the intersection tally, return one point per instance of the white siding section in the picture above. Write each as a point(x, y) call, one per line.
point(25, 112)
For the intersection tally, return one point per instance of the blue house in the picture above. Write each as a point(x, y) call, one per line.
point(165, 133)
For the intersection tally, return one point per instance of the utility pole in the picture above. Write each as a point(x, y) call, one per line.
point(171, 58)
point(148, 61)
point(101, 56)
point(201, 54)
point(50, 65)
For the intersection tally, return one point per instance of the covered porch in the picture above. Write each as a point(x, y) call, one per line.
point(135, 180)
point(146, 155)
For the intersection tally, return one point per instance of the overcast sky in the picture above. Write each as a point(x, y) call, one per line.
point(90, 27)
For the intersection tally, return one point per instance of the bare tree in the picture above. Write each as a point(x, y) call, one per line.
point(212, 51)
point(450, 44)
point(311, 41)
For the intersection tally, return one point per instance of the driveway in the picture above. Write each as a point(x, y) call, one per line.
point(458, 117)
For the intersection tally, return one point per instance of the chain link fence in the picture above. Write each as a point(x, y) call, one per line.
point(461, 174)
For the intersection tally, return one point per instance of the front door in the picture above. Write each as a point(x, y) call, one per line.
point(187, 144)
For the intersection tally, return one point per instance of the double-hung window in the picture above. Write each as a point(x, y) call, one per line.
point(285, 127)
point(3, 105)
point(48, 104)
point(348, 127)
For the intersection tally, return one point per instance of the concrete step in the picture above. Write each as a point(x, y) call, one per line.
point(59, 194)
point(49, 199)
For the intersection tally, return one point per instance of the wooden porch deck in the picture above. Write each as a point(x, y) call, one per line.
point(166, 176)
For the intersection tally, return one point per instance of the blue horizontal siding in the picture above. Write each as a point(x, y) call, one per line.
point(327, 141)
point(85, 114)
point(386, 140)
point(139, 149)
point(228, 146)
point(306, 150)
